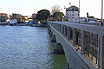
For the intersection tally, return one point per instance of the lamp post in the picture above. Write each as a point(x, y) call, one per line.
point(65, 10)
point(100, 50)
point(60, 15)
point(70, 12)
point(79, 11)
point(102, 13)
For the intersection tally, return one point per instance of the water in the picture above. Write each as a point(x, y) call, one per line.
point(23, 47)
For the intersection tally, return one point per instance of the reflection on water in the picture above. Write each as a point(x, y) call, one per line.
point(24, 47)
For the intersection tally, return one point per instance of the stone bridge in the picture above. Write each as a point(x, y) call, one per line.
point(82, 44)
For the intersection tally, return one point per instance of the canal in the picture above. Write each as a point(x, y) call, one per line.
point(24, 47)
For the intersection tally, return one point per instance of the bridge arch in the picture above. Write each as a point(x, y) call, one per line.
point(58, 48)
point(53, 38)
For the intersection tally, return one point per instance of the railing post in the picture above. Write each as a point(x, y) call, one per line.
point(73, 36)
point(103, 52)
point(82, 41)
point(100, 61)
point(61, 29)
point(64, 31)
point(68, 33)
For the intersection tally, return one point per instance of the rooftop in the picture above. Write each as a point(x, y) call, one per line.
point(72, 8)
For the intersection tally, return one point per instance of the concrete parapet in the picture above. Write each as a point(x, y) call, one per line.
point(75, 58)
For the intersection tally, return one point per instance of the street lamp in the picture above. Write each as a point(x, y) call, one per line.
point(79, 11)
point(65, 10)
point(70, 12)
point(60, 15)
point(102, 13)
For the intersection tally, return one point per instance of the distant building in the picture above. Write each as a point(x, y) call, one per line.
point(83, 19)
point(34, 16)
point(3, 17)
point(18, 17)
point(30, 19)
point(72, 14)
point(24, 19)
point(91, 18)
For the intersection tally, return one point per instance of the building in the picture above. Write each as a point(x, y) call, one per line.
point(72, 14)
point(30, 19)
point(3, 17)
point(18, 17)
point(83, 19)
point(24, 19)
point(34, 18)
point(91, 18)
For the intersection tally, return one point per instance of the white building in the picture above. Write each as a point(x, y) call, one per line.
point(72, 14)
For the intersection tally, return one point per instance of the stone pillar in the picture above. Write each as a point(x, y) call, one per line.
point(100, 61)
point(49, 30)
point(58, 49)
point(74, 36)
point(82, 41)
point(68, 33)
point(65, 31)
point(61, 29)
point(53, 39)
point(51, 33)
point(103, 53)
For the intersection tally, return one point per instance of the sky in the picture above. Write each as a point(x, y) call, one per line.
point(27, 7)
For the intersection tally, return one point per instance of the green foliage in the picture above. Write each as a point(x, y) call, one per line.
point(58, 15)
point(43, 15)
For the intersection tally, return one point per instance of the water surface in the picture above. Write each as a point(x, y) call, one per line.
point(23, 47)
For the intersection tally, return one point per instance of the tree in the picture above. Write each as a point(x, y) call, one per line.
point(58, 16)
point(43, 15)
point(55, 8)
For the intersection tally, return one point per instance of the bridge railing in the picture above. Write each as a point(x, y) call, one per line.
point(87, 39)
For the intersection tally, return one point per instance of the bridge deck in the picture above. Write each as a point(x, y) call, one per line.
point(85, 38)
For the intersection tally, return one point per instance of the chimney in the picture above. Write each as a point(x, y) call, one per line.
point(87, 14)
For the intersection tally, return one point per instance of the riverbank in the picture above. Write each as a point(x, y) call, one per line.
point(24, 24)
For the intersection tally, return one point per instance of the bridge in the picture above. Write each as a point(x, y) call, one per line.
point(82, 44)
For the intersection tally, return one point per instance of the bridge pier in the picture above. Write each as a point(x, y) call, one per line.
point(53, 38)
point(58, 49)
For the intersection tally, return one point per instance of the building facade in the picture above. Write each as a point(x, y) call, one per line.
point(18, 17)
point(72, 14)
point(3, 17)
point(24, 19)
point(34, 18)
